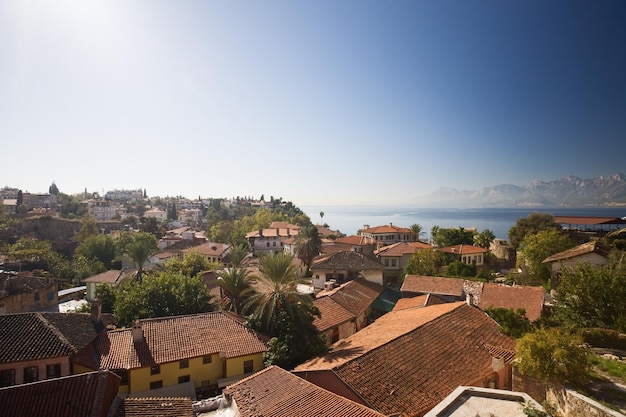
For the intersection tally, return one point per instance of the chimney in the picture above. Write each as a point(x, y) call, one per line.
point(288, 232)
point(96, 311)
point(137, 332)
point(260, 232)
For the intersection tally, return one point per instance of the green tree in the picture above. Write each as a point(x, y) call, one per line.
point(236, 287)
point(106, 294)
point(276, 291)
point(83, 267)
point(417, 231)
point(20, 200)
point(88, 228)
point(28, 249)
point(426, 262)
point(308, 245)
point(161, 295)
point(535, 248)
point(553, 356)
point(223, 231)
point(98, 247)
point(140, 248)
point(461, 269)
point(532, 224)
point(593, 296)
point(484, 239)
point(191, 264)
point(53, 189)
point(512, 323)
point(237, 254)
point(452, 236)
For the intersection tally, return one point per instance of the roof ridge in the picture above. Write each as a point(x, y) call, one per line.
point(56, 331)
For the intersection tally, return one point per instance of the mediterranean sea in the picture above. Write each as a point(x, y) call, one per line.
point(350, 219)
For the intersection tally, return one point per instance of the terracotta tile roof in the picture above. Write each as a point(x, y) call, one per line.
point(398, 249)
point(585, 248)
point(209, 249)
point(434, 285)
point(158, 407)
point(171, 339)
point(420, 245)
point(388, 228)
point(332, 314)
point(334, 247)
point(284, 225)
point(419, 301)
point(409, 360)
point(290, 396)
point(356, 296)
point(109, 277)
point(463, 249)
point(276, 231)
point(33, 336)
point(355, 240)
point(504, 296)
point(11, 284)
point(346, 260)
point(87, 394)
point(575, 220)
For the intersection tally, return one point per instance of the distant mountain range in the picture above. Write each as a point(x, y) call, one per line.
point(568, 191)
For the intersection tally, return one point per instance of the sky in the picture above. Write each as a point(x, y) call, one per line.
point(338, 102)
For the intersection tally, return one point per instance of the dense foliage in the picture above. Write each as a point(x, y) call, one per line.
point(512, 323)
point(533, 223)
point(535, 248)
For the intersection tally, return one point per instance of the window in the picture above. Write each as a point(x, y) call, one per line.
point(247, 367)
point(53, 371)
point(184, 363)
point(31, 374)
point(122, 373)
point(50, 295)
point(7, 377)
point(393, 262)
point(36, 295)
point(156, 384)
point(386, 262)
point(183, 379)
point(155, 370)
point(207, 359)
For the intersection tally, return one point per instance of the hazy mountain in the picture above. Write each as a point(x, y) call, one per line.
point(568, 191)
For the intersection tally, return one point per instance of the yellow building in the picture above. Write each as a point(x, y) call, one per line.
point(210, 350)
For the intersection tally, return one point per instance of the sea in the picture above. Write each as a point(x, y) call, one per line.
point(350, 219)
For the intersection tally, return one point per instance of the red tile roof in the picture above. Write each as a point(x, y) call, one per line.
point(585, 248)
point(434, 285)
point(109, 277)
point(575, 220)
point(11, 284)
point(388, 228)
point(88, 394)
point(346, 260)
point(209, 249)
point(171, 339)
point(463, 249)
point(356, 296)
point(504, 296)
point(356, 240)
point(331, 314)
point(419, 301)
point(409, 360)
point(290, 396)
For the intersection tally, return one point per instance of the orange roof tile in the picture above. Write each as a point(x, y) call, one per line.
point(209, 249)
point(463, 249)
point(171, 339)
point(419, 301)
point(579, 250)
point(290, 396)
point(504, 296)
point(357, 240)
point(434, 285)
point(357, 295)
point(159, 406)
point(388, 228)
point(109, 277)
point(399, 249)
point(331, 314)
point(407, 361)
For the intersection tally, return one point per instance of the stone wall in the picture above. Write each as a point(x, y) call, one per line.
point(570, 403)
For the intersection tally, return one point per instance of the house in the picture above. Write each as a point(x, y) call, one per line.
point(473, 401)
point(418, 301)
point(211, 350)
point(38, 346)
point(344, 266)
point(357, 243)
point(448, 289)
point(21, 293)
point(467, 254)
point(271, 239)
point(591, 252)
point(213, 252)
point(387, 234)
point(111, 277)
point(395, 258)
point(346, 309)
point(289, 396)
point(155, 213)
point(89, 394)
point(491, 295)
point(408, 361)
point(100, 209)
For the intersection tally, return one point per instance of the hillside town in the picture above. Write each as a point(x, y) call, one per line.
point(122, 304)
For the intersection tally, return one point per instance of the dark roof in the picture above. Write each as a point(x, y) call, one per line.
point(87, 394)
point(346, 260)
point(409, 360)
point(33, 336)
point(158, 406)
point(290, 396)
point(12, 284)
point(580, 220)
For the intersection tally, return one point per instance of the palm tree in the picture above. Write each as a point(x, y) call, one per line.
point(417, 231)
point(237, 254)
point(322, 217)
point(277, 292)
point(235, 284)
point(141, 247)
point(308, 245)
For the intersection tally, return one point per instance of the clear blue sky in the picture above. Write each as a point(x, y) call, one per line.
point(318, 102)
